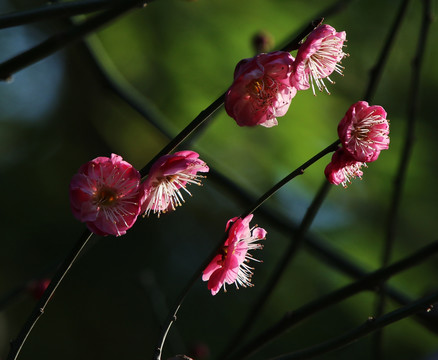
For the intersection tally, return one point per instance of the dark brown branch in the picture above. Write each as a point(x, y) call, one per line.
point(51, 11)
point(366, 283)
point(409, 137)
point(371, 325)
point(377, 70)
point(400, 177)
point(332, 9)
point(62, 39)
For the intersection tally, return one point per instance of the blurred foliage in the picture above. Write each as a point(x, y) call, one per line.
point(180, 55)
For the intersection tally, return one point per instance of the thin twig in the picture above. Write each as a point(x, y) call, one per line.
point(400, 177)
point(299, 171)
point(172, 315)
point(409, 137)
point(50, 11)
point(369, 326)
point(186, 132)
point(368, 282)
point(377, 70)
point(18, 343)
point(62, 39)
point(332, 9)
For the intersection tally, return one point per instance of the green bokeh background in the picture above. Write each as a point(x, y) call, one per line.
point(180, 56)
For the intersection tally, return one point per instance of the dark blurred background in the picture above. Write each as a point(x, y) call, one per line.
point(180, 56)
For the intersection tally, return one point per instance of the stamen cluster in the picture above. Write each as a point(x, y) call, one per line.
point(317, 58)
point(168, 176)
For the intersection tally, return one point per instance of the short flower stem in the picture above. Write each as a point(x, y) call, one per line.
point(366, 283)
point(371, 325)
point(299, 171)
point(18, 343)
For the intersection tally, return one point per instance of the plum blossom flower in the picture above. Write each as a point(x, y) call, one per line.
point(106, 195)
point(261, 90)
point(343, 168)
point(317, 58)
point(168, 175)
point(230, 265)
point(364, 131)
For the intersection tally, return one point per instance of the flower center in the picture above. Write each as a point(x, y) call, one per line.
point(360, 133)
point(366, 131)
point(105, 197)
point(256, 87)
point(223, 252)
point(263, 89)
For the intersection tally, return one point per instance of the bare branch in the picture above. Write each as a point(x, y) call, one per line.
point(53, 10)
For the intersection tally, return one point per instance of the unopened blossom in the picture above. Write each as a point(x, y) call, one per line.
point(317, 58)
point(106, 195)
point(168, 176)
point(230, 264)
point(364, 131)
point(261, 89)
point(343, 168)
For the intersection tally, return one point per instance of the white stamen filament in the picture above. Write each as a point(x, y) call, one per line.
point(167, 193)
point(327, 57)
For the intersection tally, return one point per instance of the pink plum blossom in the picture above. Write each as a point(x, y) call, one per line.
point(317, 58)
point(364, 131)
point(106, 195)
point(343, 168)
point(167, 177)
point(230, 265)
point(261, 90)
